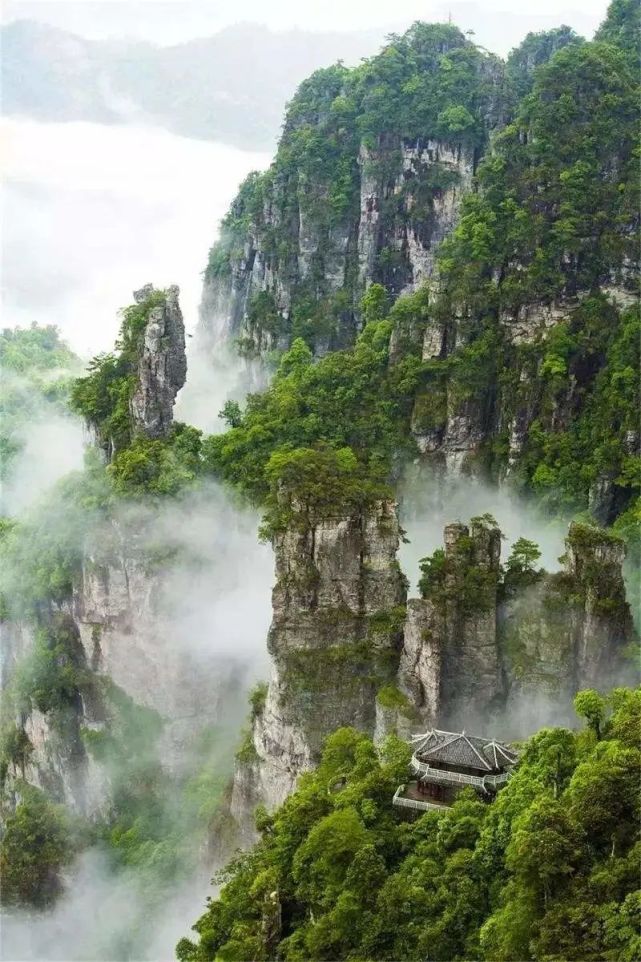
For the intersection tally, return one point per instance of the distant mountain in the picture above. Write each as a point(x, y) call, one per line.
point(230, 87)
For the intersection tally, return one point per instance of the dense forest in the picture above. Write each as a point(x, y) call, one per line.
point(548, 871)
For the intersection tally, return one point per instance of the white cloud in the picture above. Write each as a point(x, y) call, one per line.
point(92, 212)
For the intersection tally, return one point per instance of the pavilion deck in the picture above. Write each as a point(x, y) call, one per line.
point(409, 796)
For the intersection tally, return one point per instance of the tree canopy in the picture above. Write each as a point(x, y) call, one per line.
point(548, 870)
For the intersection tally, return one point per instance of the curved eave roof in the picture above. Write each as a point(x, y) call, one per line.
point(458, 748)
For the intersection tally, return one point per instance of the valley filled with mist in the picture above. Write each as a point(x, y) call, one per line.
point(317, 449)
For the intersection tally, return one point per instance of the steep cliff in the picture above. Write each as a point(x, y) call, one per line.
point(482, 641)
point(450, 664)
point(338, 608)
point(44, 719)
point(130, 394)
point(162, 364)
point(129, 612)
point(526, 344)
point(366, 182)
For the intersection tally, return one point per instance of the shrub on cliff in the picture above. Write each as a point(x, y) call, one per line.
point(103, 396)
point(310, 485)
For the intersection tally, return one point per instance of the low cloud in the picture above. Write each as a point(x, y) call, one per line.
point(429, 500)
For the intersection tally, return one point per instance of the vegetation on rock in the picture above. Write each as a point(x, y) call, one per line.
point(103, 397)
point(36, 845)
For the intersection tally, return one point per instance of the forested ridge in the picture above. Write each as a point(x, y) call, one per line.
point(550, 231)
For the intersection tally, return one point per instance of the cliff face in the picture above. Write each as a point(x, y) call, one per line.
point(408, 215)
point(49, 750)
point(334, 641)
point(450, 663)
point(569, 631)
point(408, 197)
point(471, 651)
point(124, 609)
point(362, 189)
point(128, 633)
point(603, 621)
point(525, 370)
point(528, 336)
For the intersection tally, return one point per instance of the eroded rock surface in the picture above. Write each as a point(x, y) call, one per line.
point(162, 364)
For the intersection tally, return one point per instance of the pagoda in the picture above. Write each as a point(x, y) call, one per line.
point(445, 762)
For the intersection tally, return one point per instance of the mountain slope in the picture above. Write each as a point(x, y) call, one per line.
point(517, 359)
point(367, 180)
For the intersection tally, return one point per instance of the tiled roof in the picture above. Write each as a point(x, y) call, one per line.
point(468, 751)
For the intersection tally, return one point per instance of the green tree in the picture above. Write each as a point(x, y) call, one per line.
point(589, 704)
point(36, 845)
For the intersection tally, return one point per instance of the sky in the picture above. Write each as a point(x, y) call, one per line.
point(498, 23)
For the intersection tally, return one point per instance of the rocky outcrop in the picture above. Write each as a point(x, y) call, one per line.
point(47, 748)
point(127, 635)
point(471, 671)
point(395, 715)
point(470, 650)
point(358, 193)
point(567, 631)
point(450, 664)
point(162, 364)
point(408, 194)
point(475, 417)
point(57, 762)
point(334, 641)
point(420, 668)
point(602, 617)
point(347, 651)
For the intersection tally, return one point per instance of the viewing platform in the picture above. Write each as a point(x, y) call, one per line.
point(408, 796)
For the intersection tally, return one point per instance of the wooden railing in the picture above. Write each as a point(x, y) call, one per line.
point(440, 777)
point(422, 806)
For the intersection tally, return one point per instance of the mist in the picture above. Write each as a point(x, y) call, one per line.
point(51, 445)
point(105, 915)
point(201, 582)
point(216, 375)
point(165, 23)
point(93, 212)
point(430, 498)
point(183, 628)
